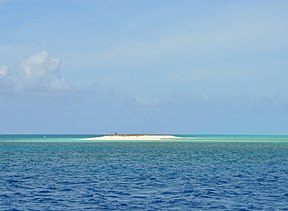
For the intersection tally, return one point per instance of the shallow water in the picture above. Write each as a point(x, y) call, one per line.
point(144, 176)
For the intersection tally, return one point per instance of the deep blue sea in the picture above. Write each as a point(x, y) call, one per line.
point(45, 172)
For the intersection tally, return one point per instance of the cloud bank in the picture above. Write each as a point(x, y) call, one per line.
point(37, 73)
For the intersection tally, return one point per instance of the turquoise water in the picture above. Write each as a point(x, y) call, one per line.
point(183, 138)
point(199, 173)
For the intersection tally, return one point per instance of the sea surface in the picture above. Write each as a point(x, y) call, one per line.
point(196, 172)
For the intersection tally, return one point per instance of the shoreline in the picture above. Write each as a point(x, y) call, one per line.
point(134, 137)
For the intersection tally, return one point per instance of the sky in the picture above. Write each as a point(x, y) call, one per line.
point(146, 66)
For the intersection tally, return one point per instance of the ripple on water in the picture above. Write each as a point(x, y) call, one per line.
point(143, 176)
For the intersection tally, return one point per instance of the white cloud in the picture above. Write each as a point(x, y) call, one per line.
point(6, 81)
point(37, 73)
point(225, 32)
point(3, 71)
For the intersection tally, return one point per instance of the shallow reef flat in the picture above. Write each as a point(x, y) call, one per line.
point(142, 137)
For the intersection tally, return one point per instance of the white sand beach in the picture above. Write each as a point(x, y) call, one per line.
point(133, 137)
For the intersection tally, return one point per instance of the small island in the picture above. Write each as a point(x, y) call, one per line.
point(132, 137)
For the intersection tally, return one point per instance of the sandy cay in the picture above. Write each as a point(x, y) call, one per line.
point(132, 137)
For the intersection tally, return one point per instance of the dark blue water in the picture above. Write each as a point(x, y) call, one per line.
point(143, 176)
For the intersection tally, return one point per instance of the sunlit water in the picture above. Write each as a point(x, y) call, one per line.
point(178, 175)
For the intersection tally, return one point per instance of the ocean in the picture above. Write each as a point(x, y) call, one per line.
point(196, 172)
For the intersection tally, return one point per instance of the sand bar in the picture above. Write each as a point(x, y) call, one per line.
point(133, 137)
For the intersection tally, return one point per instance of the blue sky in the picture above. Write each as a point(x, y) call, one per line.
point(164, 66)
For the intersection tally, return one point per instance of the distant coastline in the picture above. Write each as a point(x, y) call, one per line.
point(123, 137)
